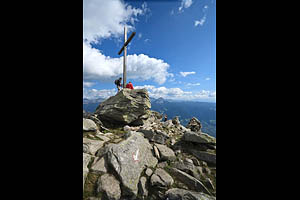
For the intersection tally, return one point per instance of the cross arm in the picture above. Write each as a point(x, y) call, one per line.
point(127, 42)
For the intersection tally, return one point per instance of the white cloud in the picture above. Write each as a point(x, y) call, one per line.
point(103, 19)
point(193, 84)
point(203, 19)
point(196, 23)
point(207, 79)
point(172, 80)
point(157, 92)
point(184, 74)
point(140, 35)
point(146, 11)
point(185, 4)
point(205, 94)
point(88, 84)
point(147, 40)
point(106, 19)
point(94, 94)
point(169, 93)
point(97, 66)
point(201, 22)
point(213, 94)
point(205, 7)
point(178, 94)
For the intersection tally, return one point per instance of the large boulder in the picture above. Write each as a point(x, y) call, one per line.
point(165, 152)
point(91, 146)
point(155, 135)
point(126, 107)
point(199, 137)
point(129, 158)
point(108, 184)
point(181, 194)
point(188, 180)
point(93, 117)
point(187, 167)
point(161, 178)
point(99, 165)
point(89, 125)
point(204, 156)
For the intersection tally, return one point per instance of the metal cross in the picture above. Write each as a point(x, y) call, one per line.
point(124, 48)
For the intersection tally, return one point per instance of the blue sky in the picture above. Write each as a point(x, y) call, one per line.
point(173, 53)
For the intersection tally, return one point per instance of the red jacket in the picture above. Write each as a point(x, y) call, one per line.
point(129, 85)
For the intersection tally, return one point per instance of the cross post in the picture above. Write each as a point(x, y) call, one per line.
point(124, 49)
point(124, 57)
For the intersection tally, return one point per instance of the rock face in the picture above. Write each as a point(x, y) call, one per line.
point(187, 167)
point(110, 186)
point(205, 156)
point(194, 124)
point(99, 165)
point(91, 146)
point(89, 125)
point(127, 107)
point(155, 135)
point(148, 172)
point(165, 152)
point(142, 187)
point(161, 178)
point(129, 158)
point(86, 160)
point(181, 194)
point(190, 181)
point(120, 162)
point(198, 137)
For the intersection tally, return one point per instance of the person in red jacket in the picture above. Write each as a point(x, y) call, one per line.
point(129, 85)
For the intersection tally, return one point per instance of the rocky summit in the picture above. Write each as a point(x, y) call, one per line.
point(127, 107)
point(130, 153)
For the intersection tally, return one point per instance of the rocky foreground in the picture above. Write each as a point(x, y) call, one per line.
point(129, 153)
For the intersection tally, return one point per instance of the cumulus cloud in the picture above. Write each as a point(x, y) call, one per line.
point(103, 19)
point(94, 93)
point(185, 4)
point(157, 92)
point(204, 94)
point(106, 19)
point(184, 74)
point(88, 84)
point(213, 94)
point(97, 66)
point(178, 94)
point(170, 93)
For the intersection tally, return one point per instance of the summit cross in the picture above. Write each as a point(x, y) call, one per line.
point(124, 49)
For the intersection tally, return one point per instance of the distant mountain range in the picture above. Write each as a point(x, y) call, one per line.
point(90, 105)
point(185, 110)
